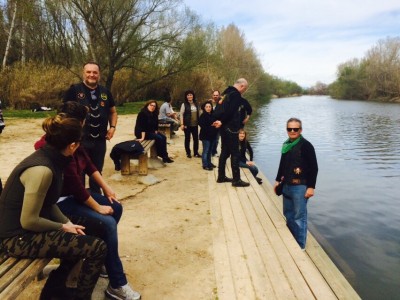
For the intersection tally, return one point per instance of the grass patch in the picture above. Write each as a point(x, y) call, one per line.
point(126, 109)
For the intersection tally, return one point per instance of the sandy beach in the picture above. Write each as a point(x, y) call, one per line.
point(165, 240)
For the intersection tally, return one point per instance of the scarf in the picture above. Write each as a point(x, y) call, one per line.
point(288, 145)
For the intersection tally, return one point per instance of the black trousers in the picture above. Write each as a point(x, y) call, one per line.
point(96, 149)
point(229, 147)
point(194, 131)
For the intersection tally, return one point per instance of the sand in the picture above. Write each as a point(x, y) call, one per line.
point(165, 240)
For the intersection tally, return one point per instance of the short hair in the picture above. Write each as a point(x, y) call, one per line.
point(294, 120)
point(62, 131)
point(241, 81)
point(190, 92)
point(91, 62)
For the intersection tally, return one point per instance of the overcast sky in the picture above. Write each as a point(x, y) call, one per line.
point(305, 40)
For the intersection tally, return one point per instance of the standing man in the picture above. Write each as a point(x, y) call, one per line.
point(102, 112)
point(298, 169)
point(229, 123)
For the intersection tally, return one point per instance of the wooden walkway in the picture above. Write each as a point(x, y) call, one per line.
point(255, 254)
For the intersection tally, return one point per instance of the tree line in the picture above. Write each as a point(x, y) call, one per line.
point(146, 49)
point(376, 76)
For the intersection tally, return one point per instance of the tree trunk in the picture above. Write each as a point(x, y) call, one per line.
point(10, 36)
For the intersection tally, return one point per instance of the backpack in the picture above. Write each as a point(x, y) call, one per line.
point(219, 109)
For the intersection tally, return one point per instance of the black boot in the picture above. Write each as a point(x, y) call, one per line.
point(55, 289)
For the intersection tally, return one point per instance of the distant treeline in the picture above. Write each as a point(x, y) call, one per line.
point(374, 77)
point(146, 48)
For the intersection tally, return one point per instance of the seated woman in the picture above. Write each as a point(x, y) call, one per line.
point(244, 147)
point(32, 225)
point(146, 128)
point(76, 201)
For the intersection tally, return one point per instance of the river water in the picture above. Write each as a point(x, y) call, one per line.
point(355, 213)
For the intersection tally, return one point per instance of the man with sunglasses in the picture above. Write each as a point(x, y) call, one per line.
point(298, 168)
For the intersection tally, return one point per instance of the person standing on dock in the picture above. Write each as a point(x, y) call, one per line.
point(298, 169)
point(230, 122)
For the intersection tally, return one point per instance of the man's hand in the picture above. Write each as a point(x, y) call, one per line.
point(309, 193)
point(217, 124)
point(110, 133)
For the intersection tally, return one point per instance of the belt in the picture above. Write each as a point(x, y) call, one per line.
point(297, 181)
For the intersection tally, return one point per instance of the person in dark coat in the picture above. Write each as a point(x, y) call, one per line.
point(208, 133)
point(146, 128)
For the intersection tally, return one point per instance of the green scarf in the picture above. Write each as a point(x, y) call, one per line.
point(288, 145)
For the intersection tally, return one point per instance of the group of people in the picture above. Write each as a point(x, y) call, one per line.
point(45, 209)
point(298, 167)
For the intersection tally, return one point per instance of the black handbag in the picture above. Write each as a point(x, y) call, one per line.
point(279, 188)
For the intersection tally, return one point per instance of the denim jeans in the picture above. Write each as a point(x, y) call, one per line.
point(253, 169)
point(113, 264)
point(207, 153)
point(295, 211)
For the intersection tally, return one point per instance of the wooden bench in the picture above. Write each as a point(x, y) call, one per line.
point(149, 147)
point(165, 128)
point(17, 273)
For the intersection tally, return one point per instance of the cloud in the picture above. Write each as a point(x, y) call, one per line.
point(305, 40)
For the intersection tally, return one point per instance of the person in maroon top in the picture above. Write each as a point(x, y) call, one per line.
point(75, 200)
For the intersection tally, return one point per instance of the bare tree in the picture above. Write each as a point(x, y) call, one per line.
point(10, 33)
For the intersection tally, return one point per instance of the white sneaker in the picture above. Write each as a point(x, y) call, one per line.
point(122, 293)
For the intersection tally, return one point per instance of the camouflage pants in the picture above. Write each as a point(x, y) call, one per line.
point(69, 247)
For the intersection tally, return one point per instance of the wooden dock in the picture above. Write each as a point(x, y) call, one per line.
point(256, 256)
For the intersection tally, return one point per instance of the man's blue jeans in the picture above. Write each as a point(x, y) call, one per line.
point(113, 264)
point(295, 211)
point(207, 153)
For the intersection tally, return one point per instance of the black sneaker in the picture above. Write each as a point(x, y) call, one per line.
point(224, 179)
point(188, 156)
point(214, 166)
point(259, 180)
point(240, 183)
point(208, 168)
point(197, 155)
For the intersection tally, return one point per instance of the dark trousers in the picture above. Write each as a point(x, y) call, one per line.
point(229, 147)
point(96, 149)
point(69, 247)
point(161, 143)
point(194, 131)
point(214, 149)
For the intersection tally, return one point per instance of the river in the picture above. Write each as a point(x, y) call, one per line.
point(355, 213)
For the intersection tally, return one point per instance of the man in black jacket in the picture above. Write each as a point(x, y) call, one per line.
point(102, 112)
point(229, 123)
point(298, 168)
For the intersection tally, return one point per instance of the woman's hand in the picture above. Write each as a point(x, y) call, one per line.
point(72, 228)
point(105, 210)
point(110, 194)
point(250, 163)
point(140, 140)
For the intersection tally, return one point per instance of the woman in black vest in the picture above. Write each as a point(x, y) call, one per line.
point(31, 224)
point(189, 122)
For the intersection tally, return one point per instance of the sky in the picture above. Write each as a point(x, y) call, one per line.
point(305, 40)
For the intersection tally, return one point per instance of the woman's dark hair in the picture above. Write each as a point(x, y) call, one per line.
point(62, 131)
point(204, 105)
point(190, 92)
point(146, 110)
point(73, 109)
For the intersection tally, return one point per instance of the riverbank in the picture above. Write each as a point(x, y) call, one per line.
point(165, 241)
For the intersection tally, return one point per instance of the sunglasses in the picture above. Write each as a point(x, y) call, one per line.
point(293, 129)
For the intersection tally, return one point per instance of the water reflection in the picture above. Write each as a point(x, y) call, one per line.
point(356, 208)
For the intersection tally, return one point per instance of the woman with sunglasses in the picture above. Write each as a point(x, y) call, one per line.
point(298, 169)
point(146, 128)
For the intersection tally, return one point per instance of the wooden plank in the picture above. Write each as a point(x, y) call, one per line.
point(294, 277)
point(310, 273)
point(23, 273)
point(223, 272)
point(273, 268)
point(336, 280)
